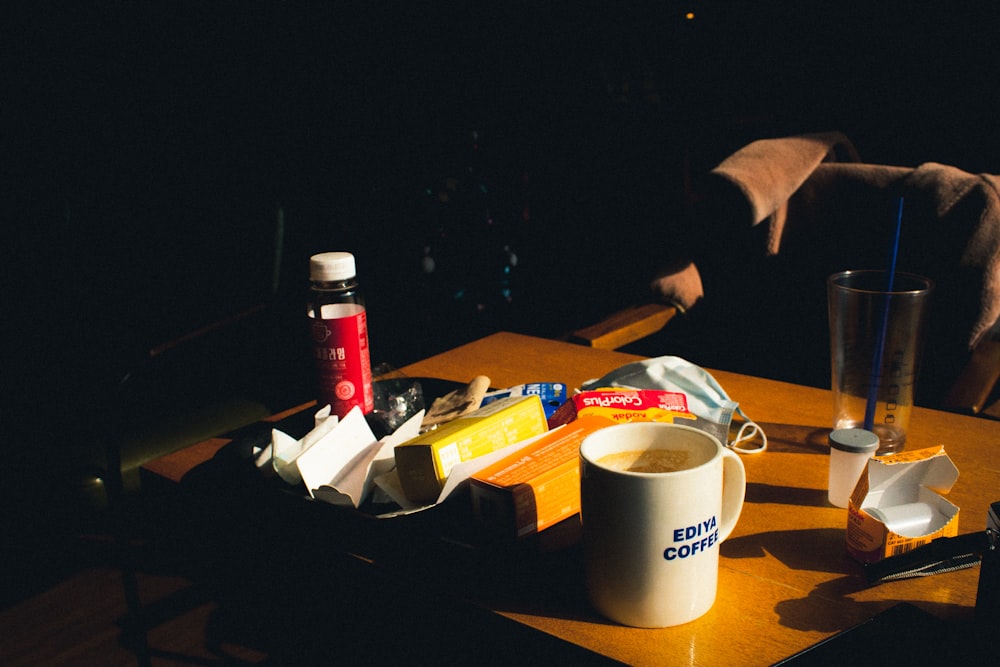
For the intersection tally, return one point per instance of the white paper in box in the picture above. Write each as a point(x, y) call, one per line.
point(897, 504)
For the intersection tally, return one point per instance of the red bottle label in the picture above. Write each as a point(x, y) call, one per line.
point(343, 360)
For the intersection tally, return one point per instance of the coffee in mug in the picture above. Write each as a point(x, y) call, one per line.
point(657, 500)
point(646, 460)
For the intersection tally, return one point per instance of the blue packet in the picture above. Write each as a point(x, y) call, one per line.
point(552, 394)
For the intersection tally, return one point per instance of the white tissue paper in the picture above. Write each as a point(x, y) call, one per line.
point(285, 449)
point(338, 459)
point(341, 462)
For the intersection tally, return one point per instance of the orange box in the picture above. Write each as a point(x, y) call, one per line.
point(896, 506)
point(538, 486)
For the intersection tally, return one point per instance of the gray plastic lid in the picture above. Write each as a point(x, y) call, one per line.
point(332, 266)
point(854, 440)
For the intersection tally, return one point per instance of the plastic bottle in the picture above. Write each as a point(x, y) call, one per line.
point(850, 449)
point(339, 331)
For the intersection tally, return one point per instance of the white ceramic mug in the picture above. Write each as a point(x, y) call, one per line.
point(651, 539)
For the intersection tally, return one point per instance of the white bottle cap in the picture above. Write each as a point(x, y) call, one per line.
point(332, 266)
point(854, 440)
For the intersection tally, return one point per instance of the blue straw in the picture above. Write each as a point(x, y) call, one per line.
point(880, 340)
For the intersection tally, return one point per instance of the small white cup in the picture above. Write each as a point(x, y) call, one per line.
point(651, 539)
point(850, 449)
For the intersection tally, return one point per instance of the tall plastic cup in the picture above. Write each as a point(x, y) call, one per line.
point(876, 344)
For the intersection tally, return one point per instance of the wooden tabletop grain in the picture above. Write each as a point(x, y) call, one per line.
point(785, 579)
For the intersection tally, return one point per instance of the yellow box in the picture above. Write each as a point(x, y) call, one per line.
point(423, 463)
point(536, 487)
point(895, 506)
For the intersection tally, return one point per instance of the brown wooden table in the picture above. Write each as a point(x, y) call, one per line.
point(785, 581)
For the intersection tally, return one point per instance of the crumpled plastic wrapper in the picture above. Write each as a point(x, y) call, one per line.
point(457, 403)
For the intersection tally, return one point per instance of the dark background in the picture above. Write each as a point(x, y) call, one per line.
point(146, 150)
point(148, 147)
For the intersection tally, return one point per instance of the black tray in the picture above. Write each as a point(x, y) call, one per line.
point(231, 477)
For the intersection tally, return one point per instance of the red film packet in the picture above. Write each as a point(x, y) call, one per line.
point(624, 405)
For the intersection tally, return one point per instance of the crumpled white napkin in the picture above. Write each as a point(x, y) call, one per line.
point(285, 449)
point(339, 459)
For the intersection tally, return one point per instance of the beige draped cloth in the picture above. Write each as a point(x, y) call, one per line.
point(821, 206)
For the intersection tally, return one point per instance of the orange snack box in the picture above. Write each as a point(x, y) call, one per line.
point(537, 487)
point(896, 505)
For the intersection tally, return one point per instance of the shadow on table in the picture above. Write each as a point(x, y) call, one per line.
point(786, 495)
point(796, 439)
point(357, 613)
point(807, 614)
point(889, 633)
point(812, 549)
point(305, 582)
point(295, 604)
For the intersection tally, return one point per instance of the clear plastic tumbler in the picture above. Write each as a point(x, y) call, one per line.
point(876, 343)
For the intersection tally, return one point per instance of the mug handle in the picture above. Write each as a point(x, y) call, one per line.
point(734, 489)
